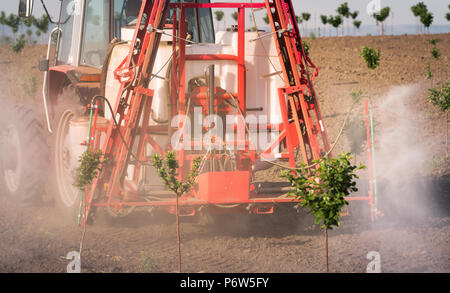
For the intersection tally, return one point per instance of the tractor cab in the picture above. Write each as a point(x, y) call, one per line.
point(88, 26)
point(84, 30)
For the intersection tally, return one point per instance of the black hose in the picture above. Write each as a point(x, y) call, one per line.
point(118, 129)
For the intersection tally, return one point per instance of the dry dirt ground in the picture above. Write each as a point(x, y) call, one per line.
point(412, 236)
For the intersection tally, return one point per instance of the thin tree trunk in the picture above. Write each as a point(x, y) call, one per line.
point(326, 248)
point(348, 27)
point(178, 236)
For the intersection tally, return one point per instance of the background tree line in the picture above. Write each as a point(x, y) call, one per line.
point(346, 18)
point(23, 28)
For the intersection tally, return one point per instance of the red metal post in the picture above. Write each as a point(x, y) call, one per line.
point(241, 57)
point(182, 86)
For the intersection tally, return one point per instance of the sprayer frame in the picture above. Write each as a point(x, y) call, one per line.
point(302, 126)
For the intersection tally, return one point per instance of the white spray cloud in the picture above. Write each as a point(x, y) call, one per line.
point(400, 156)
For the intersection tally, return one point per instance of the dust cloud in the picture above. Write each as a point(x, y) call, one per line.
point(404, 192)
point(413, 206)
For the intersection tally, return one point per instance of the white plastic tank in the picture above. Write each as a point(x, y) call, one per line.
point(262, 80)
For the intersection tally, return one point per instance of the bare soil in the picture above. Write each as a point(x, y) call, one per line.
point(411, 236)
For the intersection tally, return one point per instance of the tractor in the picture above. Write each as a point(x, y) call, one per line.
point(137, 77)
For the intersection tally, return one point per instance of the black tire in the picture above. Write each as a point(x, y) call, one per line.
point(24, 156)
point(62, 165)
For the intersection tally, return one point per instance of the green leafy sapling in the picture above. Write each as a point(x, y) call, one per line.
point(335, 21)
point(355, 95)
point(322, 190)
point(167, 169)
point(433, 41)
point(381, 16)
point(306, 47)
point(420, 10)
point(219, 15)
point(89, 168)
point(357, 24)
point(435, 53)
point(235, 16)
point(19, 44)
point(429, 73)
point(447, 15)
point(427, 20)
point(440, 97)
point(371, 57)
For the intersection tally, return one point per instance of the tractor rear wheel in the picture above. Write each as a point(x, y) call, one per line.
point(64, 164)
point(23, 155)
